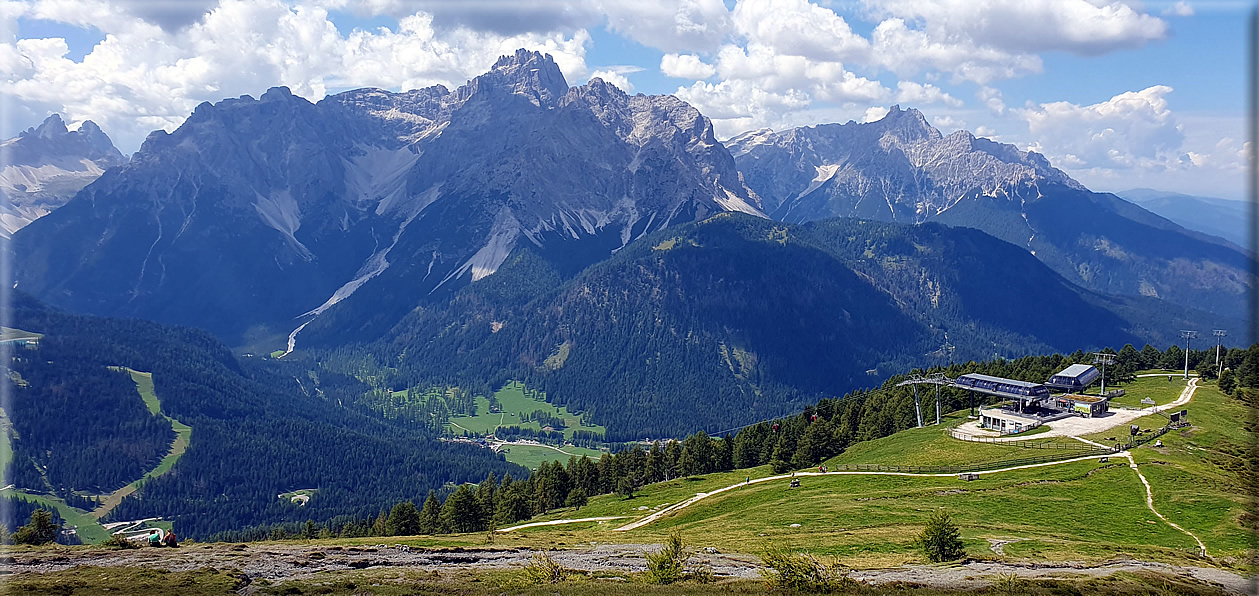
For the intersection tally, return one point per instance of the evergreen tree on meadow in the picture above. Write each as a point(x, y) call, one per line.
point(512, 505)
point(485, 494)
point(40, 530)
point(429, 522)
point(403, 520)
point(940, 540)
point(577, 498)
point(460, 514)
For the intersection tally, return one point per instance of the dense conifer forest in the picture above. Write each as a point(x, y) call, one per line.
point(260, 429)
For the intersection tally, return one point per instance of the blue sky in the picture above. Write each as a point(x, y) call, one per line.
point(1119, 93)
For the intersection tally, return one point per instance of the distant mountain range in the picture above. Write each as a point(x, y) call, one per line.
point(45, 166)
point(1224, 218)
point(901, 169)
point(256, 215)
point(362, 218)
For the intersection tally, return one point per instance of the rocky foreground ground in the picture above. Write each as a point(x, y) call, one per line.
point(278, 563)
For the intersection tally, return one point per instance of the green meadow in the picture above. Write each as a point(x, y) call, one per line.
point(516, 402)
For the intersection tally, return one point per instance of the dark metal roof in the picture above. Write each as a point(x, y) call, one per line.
point(999, 380)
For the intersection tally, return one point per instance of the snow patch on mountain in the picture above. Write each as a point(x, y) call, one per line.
point(824, 173)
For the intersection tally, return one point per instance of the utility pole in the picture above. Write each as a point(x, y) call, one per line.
point(1188, 335)
point(1103, 358)
point(1219, 339)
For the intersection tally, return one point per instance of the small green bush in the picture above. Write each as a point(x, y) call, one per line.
point(940, 540)
point(119, 541)
point(801, 572)
point(542, 569)
point(665, 567)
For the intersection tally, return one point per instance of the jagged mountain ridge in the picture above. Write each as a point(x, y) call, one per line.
point(255, 212)
point(44, 166)
point(898, 168)
point(902, 169)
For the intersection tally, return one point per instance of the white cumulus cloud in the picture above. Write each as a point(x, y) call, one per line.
point(1086, 27)
point(909, 92)
point(799, 28)
point(685, 66)
point(1131, 130)
point(669, 25)
point(142, 77)
point(736, 106)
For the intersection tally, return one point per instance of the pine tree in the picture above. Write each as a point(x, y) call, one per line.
point(485, 494)
point(780, 460)
point(429, 523)
point(459, 513)
point(626, 488)
point(672, 453)
point(576, 498)
point(403, 520)
point(512, 506)
point(40, 530)
point(379, 526)
point(940, 540)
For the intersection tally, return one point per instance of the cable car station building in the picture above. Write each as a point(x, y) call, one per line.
point(1028, 405)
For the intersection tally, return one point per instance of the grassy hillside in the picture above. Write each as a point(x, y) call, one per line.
point(1085, 510)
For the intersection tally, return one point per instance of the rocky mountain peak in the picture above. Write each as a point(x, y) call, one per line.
point(907, 125)
point(44, 166)
point(52, 127)
point(52, 141)
point(530, 74)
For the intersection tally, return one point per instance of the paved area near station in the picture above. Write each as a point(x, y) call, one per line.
point(1078, 425)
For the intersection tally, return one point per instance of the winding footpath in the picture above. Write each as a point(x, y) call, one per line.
point(701, 496)
point(1149, 502)
point(557, 522)
point(1183, 399)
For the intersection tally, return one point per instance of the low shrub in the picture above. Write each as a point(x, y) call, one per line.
point(802, 572)
point(665, 567)
point(542, 569)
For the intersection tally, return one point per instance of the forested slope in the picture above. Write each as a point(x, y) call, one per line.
point(260, 429)
point(737, 318)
